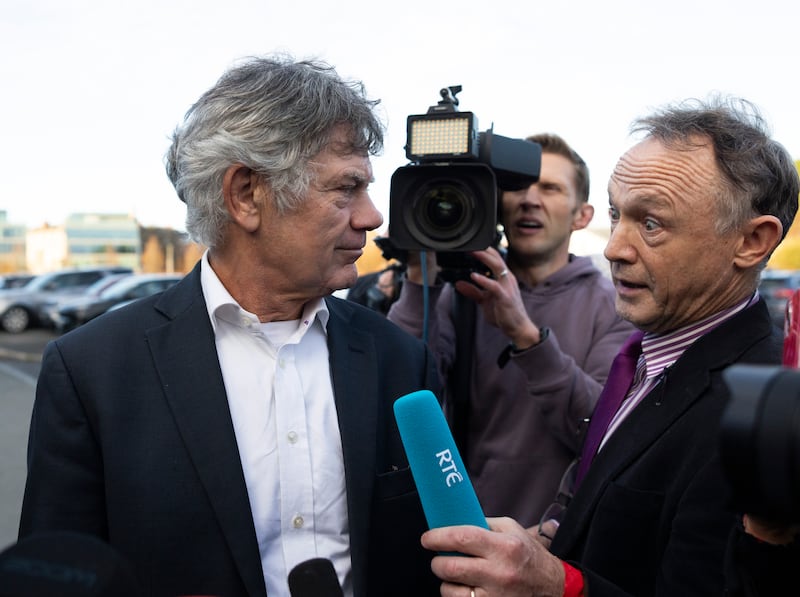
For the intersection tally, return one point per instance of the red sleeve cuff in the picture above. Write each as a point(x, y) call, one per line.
point(573, 581)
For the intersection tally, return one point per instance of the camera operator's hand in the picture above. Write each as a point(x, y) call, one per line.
point(500, 299)
point(770, 532)
point(414, 267)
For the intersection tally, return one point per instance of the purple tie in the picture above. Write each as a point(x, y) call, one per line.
point(617, 385)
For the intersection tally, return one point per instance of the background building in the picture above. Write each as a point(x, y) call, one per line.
point(102, 239)
point(94, 239)
point(167, 250)
point(85, 240)
point(46, 249)
point(12, 245)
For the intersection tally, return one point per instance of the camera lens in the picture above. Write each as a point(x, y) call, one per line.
point(446, 213)
point(443, 210)
point(443, 207)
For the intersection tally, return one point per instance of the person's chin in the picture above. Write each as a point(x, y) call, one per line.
point(345, 278)
point(632, 308)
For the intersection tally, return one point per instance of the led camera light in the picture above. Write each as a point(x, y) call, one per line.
point(449, 136)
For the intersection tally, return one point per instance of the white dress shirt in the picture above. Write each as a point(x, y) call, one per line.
point(278, 382)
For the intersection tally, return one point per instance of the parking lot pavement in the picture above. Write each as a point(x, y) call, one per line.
point(20, 359)
point(16, 401)
point(25, 347)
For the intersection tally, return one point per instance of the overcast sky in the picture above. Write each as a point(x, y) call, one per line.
point(92, 89)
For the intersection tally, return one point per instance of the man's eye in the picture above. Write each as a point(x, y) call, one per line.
point(650, 225)
point(613, 214)
point(354, 187)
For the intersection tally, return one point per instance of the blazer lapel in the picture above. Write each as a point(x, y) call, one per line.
point(354, 373)
point(185, 356)
point(680, 386)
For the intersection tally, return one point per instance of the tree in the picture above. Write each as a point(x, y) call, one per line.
point(787, 255)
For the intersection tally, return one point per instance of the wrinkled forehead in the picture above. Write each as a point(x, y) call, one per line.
point(339, 159)
point(679, 167)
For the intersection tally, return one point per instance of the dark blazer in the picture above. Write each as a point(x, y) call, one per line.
point(132, 441)
point(652, 515)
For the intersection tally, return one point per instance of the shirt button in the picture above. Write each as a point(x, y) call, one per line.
point(297, 522)
point(292, 437)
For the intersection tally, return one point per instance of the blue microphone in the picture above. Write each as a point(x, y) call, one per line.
point(444, 488)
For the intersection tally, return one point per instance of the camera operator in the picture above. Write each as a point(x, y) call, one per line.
point(548, 314)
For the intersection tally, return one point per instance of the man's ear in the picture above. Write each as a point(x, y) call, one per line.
point(760, 236)
point(583, 215)
point(239, 191)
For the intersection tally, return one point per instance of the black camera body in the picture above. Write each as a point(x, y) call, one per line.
point(446, 199)
point(760, 441)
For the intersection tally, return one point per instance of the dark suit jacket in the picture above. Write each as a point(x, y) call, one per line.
point(132, 441)
point(652, 515)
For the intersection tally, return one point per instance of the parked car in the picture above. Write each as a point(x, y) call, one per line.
point(14, 280)
point(776, 286)
point(50, 317)
point(26, 306)
point(77, 311)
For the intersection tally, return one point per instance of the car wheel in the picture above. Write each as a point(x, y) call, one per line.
point(15, 320)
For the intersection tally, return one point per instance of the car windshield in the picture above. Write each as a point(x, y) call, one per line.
point(123, 287)
point(104, 284)
point(38, 282)
point(14, 281)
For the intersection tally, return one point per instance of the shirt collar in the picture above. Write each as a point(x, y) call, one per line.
point(662, 350)
point(221, 305)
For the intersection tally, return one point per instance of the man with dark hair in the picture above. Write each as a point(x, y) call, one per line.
point(544, 334)
point(240, 423)
point(697, 207)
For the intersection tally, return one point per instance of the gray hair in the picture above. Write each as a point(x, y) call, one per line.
point(272, 115)
point(758, 174)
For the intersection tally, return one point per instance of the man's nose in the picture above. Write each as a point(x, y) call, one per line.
point(618, 247)
point(367, 216)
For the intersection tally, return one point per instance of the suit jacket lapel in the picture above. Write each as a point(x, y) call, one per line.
point(185, 356)
point(354, 373)
point(680, 387)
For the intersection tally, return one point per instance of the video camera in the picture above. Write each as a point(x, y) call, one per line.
point(760, 441)
point(446, 199)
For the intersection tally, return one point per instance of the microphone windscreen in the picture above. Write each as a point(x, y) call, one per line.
point(314, 578)
point(446, 492)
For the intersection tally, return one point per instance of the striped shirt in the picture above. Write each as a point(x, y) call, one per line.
point(659, 352)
